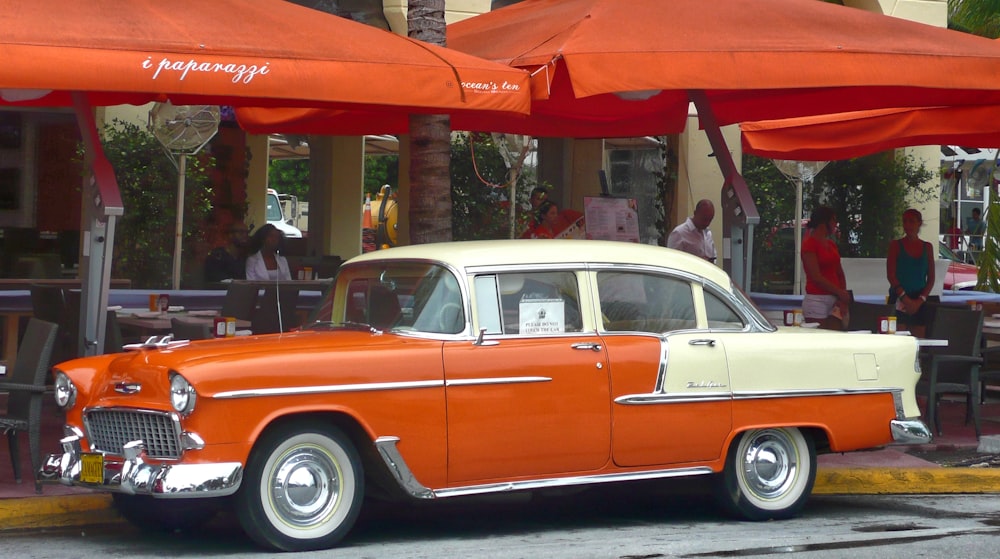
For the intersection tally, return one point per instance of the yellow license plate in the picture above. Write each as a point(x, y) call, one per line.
point(92, 468)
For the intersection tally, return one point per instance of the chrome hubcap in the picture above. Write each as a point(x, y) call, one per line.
point(769, 464)
point(305, 487)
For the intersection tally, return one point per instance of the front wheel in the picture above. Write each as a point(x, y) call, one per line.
point(303, 488)
point(769, 474)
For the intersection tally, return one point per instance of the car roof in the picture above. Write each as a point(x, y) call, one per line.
point(471, 254)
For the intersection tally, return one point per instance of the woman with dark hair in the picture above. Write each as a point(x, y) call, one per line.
point(549, 222)
point(826, 300)
point(910, 271)
point(265, 261)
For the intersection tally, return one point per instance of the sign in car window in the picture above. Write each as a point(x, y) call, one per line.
point(542, 316)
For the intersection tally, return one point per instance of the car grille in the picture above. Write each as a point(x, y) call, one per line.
point(109, 431)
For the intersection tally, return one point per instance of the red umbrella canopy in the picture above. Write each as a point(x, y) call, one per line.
point(854, 134)
point(752, 59)
point(259, 52)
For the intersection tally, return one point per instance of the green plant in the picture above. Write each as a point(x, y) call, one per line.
point(479, 189)
point(147, 178)
point(290, 176)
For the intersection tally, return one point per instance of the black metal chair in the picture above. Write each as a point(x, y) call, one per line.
point(113, 340)
point(240, 301)
point(189, 330)
point(865, 316)
point(954, 369)
point(48, 303)
point(25, 387)
point(277, 310)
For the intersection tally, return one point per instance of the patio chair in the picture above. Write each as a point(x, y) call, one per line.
point(270, 317)
point(189, 330)
point(48, 303)
point(240, 301)
point(865, 316)
point(25, 387)
point(954, 369)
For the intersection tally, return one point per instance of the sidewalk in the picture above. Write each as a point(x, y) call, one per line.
point(949, 464)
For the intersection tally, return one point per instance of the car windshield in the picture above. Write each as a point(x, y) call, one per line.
point(947, 253)
point(398, 296)
point(273, 212)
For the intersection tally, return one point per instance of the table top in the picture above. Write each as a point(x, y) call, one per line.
point(159, 322)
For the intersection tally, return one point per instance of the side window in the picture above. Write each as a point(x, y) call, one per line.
point(538, 303)
point(720, 315)
point(488, 304)
point(639, 302)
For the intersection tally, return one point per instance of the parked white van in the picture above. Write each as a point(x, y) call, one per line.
point(276, 217)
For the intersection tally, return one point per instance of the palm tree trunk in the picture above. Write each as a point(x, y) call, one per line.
point(430, 142)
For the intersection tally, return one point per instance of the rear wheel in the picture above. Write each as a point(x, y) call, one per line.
point(769, 474)
point(302, 489)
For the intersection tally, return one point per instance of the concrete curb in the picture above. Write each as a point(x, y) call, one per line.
point(913, 481)
point(57, 511)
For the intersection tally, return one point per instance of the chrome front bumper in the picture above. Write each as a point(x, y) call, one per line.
point(132, 475)
point(909, 431)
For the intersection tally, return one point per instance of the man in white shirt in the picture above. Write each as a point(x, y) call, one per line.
point(693, 236)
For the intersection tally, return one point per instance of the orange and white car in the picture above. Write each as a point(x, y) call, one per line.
point(451, 369)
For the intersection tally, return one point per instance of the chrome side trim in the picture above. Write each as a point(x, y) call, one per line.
point(372, 386)
point(404, 476)
point(328, 389)
point(495, 380)
point(386, 447)
point(755, 394)
point(684, 398)
point(646, 399)
point(568, 481)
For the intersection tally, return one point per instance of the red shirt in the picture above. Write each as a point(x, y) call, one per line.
point(828, 258)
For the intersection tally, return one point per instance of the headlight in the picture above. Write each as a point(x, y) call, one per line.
point(65, 390)
point(182, 394)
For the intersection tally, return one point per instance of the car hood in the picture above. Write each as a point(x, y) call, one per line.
point(304, 358)
point(961, 276)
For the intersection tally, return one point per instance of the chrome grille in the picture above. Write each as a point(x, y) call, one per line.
point(109, 430)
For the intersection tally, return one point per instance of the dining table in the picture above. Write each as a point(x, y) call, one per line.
point(143, 322)
point(991, 328)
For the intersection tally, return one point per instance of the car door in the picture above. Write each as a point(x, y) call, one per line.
point(669, 372)
point(532, 399)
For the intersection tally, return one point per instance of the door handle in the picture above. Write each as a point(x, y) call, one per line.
point(588, 345)
point(710, 343)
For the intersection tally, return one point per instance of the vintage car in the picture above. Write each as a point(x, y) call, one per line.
point(451, 369)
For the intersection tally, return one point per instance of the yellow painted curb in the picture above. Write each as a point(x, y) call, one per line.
point(63, 510)
point(879, 481)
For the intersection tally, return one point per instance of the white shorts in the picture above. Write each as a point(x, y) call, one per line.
point(818, 306)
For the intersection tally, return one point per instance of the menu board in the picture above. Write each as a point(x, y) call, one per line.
point(611, 219)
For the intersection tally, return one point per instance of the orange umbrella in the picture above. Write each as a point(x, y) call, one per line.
point(854, 134)
point(749, 59)
point(615, 68)
point(261, 52)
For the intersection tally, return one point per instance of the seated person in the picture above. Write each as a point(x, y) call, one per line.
point(228, 261)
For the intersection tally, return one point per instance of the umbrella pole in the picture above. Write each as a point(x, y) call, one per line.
point(179, 220)
point(797, 225)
